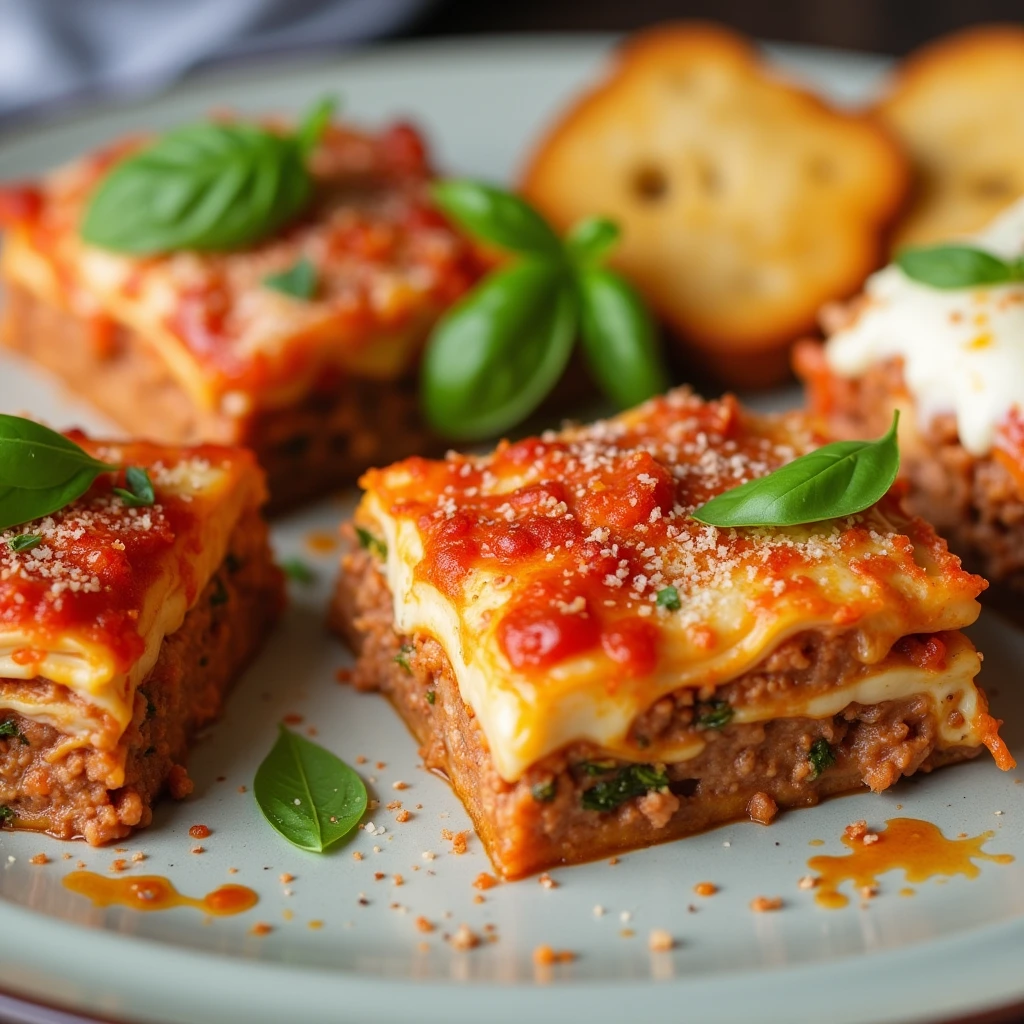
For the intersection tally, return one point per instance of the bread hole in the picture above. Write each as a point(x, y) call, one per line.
point(650, 184)
point(821, 169)
point(994, 186)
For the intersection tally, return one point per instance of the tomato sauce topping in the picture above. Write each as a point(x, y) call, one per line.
point(591, 533)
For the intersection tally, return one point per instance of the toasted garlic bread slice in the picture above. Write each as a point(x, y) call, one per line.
point(745, 201)
point(958, 107)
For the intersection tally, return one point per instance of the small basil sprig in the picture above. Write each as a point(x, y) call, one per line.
point(958, 266)
point(836, 480)
point(496, 355)
point(139, 491)
point(208, 186)
point(310, 796)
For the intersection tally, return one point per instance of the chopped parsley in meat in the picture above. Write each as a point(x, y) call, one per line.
point(402, 658)
point(631, 781)
point(715, 714)
point(368, 542)
point(821, 756)
point(543, 792)
point(8, 730)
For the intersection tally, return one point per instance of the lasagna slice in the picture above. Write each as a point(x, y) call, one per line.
point(595, 671)
point(121, 629)
point(952, 362)
point(196, 347)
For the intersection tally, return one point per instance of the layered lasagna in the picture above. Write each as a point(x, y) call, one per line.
point(594, 670)
point(195, 347)
point(952, 362)
point(121, 628)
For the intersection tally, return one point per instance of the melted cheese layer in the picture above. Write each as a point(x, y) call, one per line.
point(962, 349)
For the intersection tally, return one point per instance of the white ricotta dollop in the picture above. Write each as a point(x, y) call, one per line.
point(962, 350)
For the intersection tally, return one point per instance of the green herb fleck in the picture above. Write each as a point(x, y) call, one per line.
point(8, 730)
point(543, 792)
point(25, 542)
point(431, 697)
point(821, 756)
point(713, 714)
point(629, 782)
point(307, 793)
point(6, 815)
point(299, 281)
point(402, 657)
point(298, 570)
point(836, 480)
point(139, 491)
point(368, 542)
point(595, 767)
point(668, 598)
point(220, 593)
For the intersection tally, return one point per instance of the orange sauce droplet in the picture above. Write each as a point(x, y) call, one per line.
point(199, 831)
point(153, 892)
point(816, 842)
point(918, 847)
point(321, 542)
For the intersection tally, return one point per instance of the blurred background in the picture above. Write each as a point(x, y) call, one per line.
point(54, 51)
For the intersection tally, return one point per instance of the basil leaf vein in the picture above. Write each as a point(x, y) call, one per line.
point(310, 796)
point(836, 480)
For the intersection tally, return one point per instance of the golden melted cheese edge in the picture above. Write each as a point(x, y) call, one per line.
point(524, 722)
point(88, 669)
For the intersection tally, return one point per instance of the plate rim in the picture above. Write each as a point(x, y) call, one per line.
point(90, 977)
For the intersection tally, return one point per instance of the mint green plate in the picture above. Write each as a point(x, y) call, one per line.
point(952, 949)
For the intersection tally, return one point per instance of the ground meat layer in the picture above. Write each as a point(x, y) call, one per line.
point(975, 503)
point(543, 819)
point(69, 796)
point(306, 450)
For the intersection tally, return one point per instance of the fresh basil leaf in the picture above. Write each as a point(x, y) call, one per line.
point(205, 187)
point(619, 338)
point(41, 471)
point(957, 266)
point(496, 355)
point(140, 488)
point(821, 756)
point(632, 781)
point(299, 281)
point(25, 542)
point(592, 239)
point(314, 123)
point(836, 480)
point(498, 217)
point(310, 796)
point(296, 569)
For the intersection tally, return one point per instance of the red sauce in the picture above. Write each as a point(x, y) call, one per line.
point(153, 892)
point(19, 203)
point(915, 847)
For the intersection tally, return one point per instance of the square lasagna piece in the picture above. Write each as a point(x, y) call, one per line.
point(194, 347)
point(121, 629)
point(594, 670)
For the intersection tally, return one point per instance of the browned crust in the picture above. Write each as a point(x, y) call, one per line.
point(744, 770)
point(306, 450)
point(197, 665)
point(974, 502)
point(764, 353)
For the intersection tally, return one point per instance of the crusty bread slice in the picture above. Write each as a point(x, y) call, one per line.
point(958, 107)
point(745, 201)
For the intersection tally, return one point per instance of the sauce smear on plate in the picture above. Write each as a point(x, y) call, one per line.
point(153, 892)
point(918, 847)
